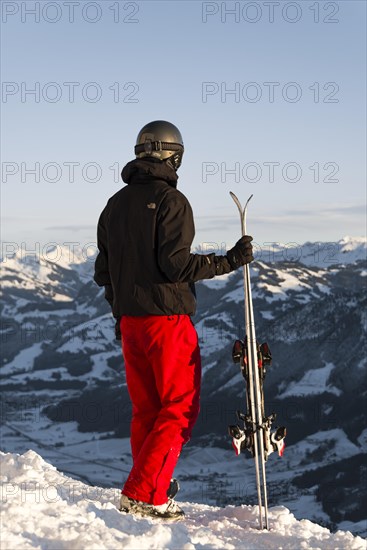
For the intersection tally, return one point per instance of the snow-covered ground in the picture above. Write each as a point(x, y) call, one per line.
point(44, 509)
point(209, 475)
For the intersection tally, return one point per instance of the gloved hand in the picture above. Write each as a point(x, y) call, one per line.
point(241, 253)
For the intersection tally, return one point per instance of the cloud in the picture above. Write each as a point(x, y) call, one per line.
point(321, 220)
point(71, 228)
point(216, 221)
point(301, 217)
point(353, 210)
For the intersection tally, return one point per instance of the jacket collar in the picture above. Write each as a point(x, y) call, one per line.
point(143, 170)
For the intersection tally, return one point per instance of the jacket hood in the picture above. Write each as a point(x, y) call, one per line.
point(145, 171)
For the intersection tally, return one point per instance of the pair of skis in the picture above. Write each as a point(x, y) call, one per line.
point(256, 435)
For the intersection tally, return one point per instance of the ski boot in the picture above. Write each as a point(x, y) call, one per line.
point(170, 510)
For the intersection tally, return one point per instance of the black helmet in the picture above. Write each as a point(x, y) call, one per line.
point(162, 140)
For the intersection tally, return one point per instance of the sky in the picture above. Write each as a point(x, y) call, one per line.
point(269, 98)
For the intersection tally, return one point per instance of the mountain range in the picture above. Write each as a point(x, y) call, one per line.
point(64, 389)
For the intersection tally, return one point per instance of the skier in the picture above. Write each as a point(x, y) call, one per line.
point(144, 237)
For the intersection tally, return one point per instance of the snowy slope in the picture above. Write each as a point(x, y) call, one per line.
point(44, 509)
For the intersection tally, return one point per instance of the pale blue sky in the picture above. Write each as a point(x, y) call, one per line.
point(168, 54)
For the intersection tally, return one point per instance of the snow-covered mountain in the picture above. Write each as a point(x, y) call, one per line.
point(43, 508)
point(319, 254)
point(64, 391)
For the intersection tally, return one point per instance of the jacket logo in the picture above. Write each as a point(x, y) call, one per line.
point(151, 205)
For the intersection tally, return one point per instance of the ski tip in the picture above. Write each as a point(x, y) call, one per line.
point(236, 200)
point(246, 205)
point(235, 196)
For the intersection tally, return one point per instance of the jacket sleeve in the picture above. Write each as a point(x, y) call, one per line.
point(101, 272)
point(175, 233)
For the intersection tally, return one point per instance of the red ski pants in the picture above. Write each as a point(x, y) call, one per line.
point(163, 374)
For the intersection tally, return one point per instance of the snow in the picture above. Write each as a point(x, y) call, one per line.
point(235, 381)
point(323, 288)
point(29, 269)
point(45, 256)
point(206, 368)
point(235, 295)
point(346, 250)
point(44, 374)
point(43, 269)
point(214, 331)
point(89, 336)
point(313, 382)
point(37, 314)
point(336, 444)
point(44, 509)
point(217, 282)
point(285, 282)
point(350, 244)
point(24, 360)
point(362, 440)
point(100, 369)
point(267, 315)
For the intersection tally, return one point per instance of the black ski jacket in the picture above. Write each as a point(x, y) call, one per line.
point(144, 237)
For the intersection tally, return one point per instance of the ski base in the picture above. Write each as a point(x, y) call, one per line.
point(256, 435)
